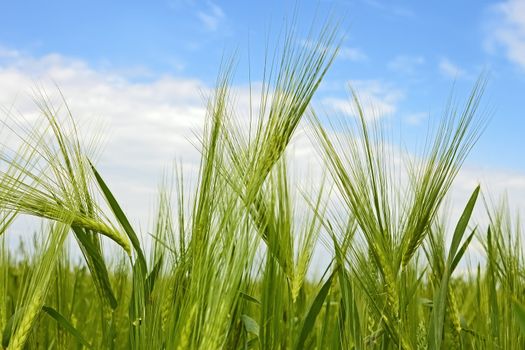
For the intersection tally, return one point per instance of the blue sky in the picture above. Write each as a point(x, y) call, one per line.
point(403, 56)
point(415, 49)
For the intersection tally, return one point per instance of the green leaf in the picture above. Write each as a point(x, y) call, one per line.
point(440, 298)
point(315, 308)
point(462, 225)
point(249, 298)
point(250, 324)
point(121, 217)
point(152, 277)
point(96, 265)
point(461, 251)
point(252, 343)
point(65, 324)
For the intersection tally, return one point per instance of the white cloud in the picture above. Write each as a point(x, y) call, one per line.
point(149, 124)
point(8, 53)
point(406, 64)
point(344, 53)
point(377, 99)
point(496, 185)
point(450, 69)
point(212, 17)
point(351, 54)
point(416, 118)
point(146, 125)
point(507, 29)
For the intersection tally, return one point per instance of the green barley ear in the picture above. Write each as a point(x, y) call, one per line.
point(36, 289)
point(501, 282)
point(394, 216)
point(358, 161)
point(49, 176)
point(307, 239)
point(184, 341)
point(290, 81)
point(456, 135)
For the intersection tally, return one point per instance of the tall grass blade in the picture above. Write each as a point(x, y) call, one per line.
point(121, 217)
point(65, 324)
point(440, 295)
point(313, 312)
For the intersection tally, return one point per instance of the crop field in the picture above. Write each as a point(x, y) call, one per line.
point(227, 263)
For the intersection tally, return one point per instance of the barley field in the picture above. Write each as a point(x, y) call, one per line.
point(227, 263)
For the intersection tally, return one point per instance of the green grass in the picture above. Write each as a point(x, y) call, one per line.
point(228, 266)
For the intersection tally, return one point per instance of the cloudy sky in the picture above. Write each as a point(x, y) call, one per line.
point(140, 69)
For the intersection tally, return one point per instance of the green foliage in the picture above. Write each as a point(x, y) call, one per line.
point(229, 266)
